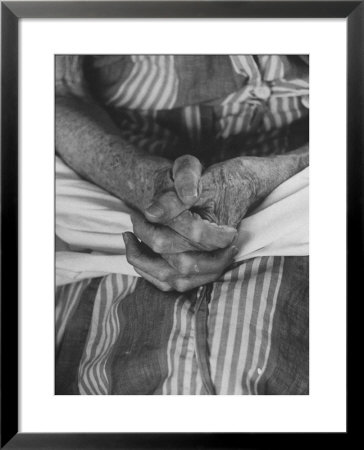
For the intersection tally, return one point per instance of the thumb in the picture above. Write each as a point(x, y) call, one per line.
point(165, 207)
point(187, 171)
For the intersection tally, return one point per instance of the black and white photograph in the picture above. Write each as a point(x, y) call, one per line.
point(182, 224)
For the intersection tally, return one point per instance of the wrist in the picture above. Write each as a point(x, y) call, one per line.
point(145, 179)
point(159, 180)
point(267, 173)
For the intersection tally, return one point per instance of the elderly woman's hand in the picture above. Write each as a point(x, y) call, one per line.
point(185, 251)
point(171, 225)
point(177, 271)
point(225, 191)
point(188, 250)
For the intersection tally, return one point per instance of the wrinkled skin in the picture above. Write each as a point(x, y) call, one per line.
point(90, 143)
point(178, 249)
point(185, 217)
point(222, 195)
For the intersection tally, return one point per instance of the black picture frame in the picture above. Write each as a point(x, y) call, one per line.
point(11, 13)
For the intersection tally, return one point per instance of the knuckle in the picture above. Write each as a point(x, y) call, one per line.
point(181, 285)
point(158, 244)
point(197, 232)
point(164, 275)
point(165, 287)
point(184, 265)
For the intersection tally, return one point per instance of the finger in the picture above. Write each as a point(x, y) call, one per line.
point(140, 258)
point(186, 174)
point(203, 234)
point(154, 269)
point(178, 284)
point(184, 284)
point(161, 239)
point(187, 171)
point(192, 263)
point(165, 207)
point(165, 287)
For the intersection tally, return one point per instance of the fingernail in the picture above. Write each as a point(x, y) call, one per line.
point(154, 211)
point(189, 193)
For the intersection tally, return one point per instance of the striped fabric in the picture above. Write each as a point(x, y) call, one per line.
point(249, 96)
point(152, 84)
point(241, 313)
point(245, 334)
point(66, 302)
point(183, 376)
point(103, 333)
point(241, 324)
point(265, 83)
point(141, 129)
point(242, 306)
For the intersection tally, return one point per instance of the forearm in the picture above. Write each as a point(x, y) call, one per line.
point(90, 143)
point(266, 173)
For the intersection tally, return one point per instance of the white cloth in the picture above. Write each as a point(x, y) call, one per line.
point(90, 222)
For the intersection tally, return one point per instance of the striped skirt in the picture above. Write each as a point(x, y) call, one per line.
point(246, 334)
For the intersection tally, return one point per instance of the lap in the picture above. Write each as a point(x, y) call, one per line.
point(120, 335)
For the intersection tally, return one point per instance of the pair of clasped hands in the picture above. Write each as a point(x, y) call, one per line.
point(187, 236)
